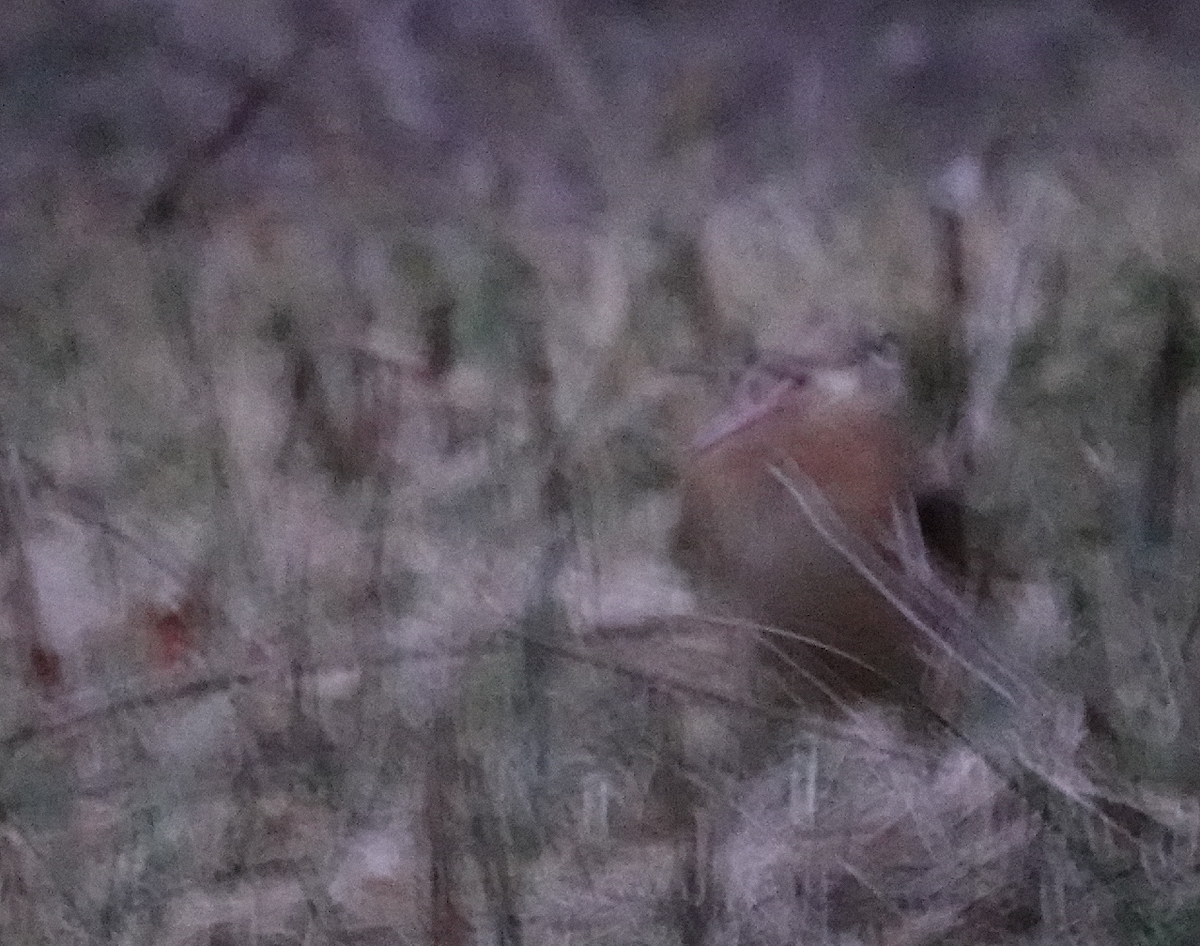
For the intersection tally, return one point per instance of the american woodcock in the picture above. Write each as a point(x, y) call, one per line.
point(838, 422)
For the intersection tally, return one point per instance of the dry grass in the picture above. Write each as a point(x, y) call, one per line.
point(334, 514)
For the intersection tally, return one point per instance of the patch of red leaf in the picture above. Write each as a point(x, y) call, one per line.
point(174, 633)
point(45, 667)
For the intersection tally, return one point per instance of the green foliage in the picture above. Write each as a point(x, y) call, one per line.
point(1143, 924)
point(495, 323)
point(36, 790)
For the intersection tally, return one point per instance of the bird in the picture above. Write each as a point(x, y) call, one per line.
point(824, 633)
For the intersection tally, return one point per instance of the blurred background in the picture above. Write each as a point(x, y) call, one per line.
point(349, 350)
